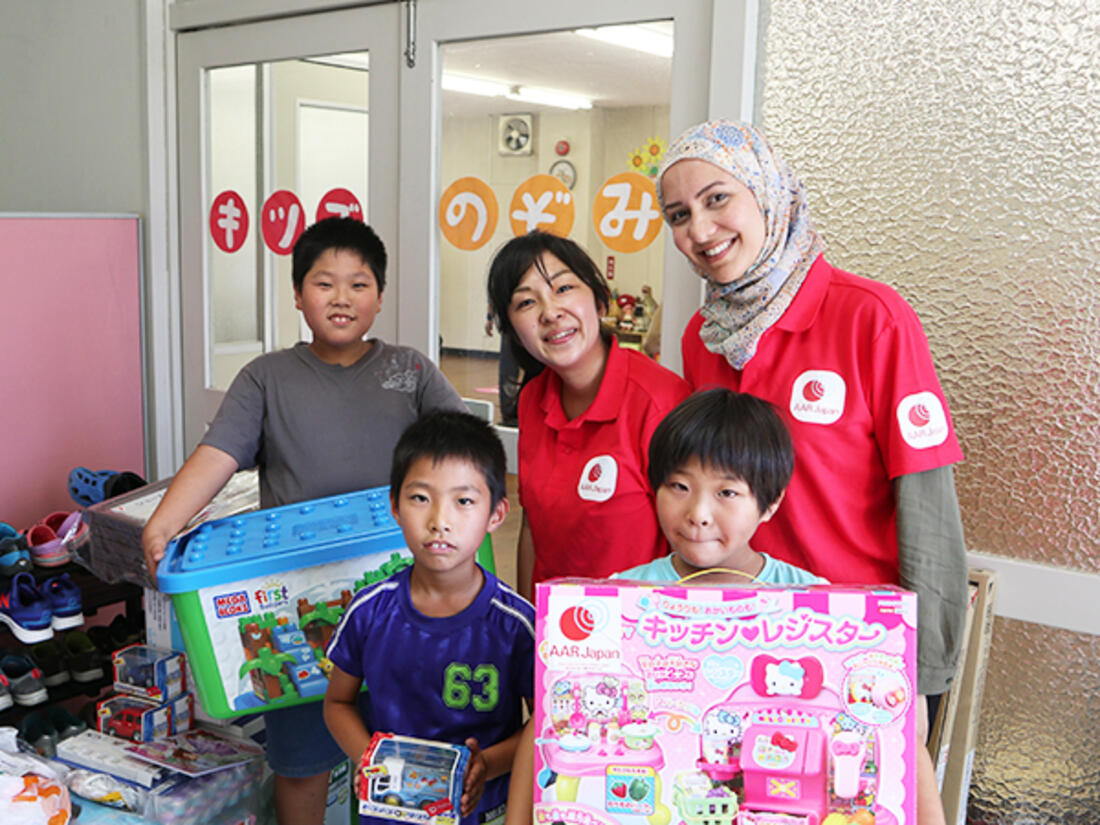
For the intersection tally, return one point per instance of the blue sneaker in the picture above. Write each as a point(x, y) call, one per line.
point(15, 557)
point(26, 610)
point(66, 603)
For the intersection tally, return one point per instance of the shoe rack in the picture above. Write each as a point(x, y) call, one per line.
point(95, 594)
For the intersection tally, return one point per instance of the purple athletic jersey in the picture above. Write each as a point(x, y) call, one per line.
point(441, 678)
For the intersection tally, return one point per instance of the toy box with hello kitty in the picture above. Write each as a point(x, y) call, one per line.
point(708, 705)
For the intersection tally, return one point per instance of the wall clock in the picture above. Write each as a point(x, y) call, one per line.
point(563, 170)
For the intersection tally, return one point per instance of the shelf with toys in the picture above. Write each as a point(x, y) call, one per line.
point(67, 656)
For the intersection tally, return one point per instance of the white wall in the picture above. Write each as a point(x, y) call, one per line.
point(600, 144)
point(72, 75)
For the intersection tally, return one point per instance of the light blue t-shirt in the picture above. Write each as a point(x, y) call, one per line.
point(773, 572)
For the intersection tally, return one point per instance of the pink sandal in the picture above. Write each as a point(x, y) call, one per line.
point(50, 539)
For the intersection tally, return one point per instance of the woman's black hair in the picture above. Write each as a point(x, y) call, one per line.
point(732, 432)
point(511, 263)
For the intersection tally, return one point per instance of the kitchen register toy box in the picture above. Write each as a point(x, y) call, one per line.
point(724, 706)
point(258, 595)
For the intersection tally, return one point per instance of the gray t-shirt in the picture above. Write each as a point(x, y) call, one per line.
point(316, 429)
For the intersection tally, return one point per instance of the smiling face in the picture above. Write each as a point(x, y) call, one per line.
point(556, 318)
point(708, 517)
point(445, 509)
point(339, 298)
point(715, 220)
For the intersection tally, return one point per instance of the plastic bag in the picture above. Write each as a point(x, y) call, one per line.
point(34, 800)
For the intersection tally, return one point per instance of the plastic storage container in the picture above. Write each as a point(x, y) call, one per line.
point(259, 594)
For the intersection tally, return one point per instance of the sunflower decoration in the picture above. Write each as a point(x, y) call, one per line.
point(646, 160)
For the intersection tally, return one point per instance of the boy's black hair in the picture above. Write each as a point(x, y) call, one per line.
point(342, 235)
point(511, 263)
point(445, 434)
point(734, 432)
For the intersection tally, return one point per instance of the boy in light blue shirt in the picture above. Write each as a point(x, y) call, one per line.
point(719, 464)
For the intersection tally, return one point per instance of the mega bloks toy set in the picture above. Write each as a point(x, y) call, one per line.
point(721, 705)
point(412, 780)
point(259, 594)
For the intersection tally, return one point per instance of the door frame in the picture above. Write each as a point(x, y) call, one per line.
point(705, 28)
point(697, 24)
point(370, 28)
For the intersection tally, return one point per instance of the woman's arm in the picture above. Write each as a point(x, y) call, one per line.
point(342, 717)
point(525, 562)
point(932, 563)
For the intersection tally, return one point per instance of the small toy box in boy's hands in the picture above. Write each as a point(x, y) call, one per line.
point(412, 780)
point(149, 672)
point(129, 717)
point(751, 705)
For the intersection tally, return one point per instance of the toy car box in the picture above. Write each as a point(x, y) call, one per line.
point(258, 595)
point(129, 717)
point(724, 705)
point(412, 780)
point(183, 713)
point(149, 672)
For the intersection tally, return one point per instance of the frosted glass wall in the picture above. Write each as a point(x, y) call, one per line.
point(952, 149)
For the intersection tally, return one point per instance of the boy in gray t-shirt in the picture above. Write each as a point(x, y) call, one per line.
point(318, 419)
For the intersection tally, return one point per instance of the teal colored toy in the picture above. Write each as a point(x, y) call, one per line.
point(258, 595)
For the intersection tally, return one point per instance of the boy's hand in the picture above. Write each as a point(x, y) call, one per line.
point(153, 546)
point(476, 771)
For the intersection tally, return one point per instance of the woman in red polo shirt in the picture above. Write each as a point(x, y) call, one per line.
point(845, 360)
point(586, 413)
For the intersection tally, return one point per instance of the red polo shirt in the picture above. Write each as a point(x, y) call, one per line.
point(848, 367)
point(582, 483)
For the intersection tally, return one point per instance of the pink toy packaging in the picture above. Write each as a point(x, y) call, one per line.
point(707, 705)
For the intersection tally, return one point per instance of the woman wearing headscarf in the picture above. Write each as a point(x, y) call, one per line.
point(846, 362)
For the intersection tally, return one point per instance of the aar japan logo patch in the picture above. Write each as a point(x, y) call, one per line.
point(922, 420)
point(817, 397)
point(597, 482)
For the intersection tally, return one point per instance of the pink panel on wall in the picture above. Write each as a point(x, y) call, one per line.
point(70, 357)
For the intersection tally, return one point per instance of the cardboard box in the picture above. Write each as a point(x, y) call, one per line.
point(128, 717)
point(750, 704)
point(407, 779)
point(149, 672)
point(114, 551)
point(971, 684)
point(939, 738)
point(183, 713)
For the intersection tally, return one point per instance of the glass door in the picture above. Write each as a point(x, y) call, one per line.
point(548, 115)
point(280, 123)
point(275, 116)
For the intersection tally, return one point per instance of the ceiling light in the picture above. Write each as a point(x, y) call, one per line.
point(549, 97)
point(473, 85)
point(638, 37)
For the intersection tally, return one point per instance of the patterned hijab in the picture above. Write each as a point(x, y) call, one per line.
point(736, 314)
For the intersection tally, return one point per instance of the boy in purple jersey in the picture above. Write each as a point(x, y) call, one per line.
point(444, 648)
